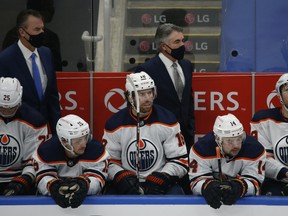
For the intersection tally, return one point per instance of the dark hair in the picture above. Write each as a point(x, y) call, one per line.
point(163, 32)
point(23, 17)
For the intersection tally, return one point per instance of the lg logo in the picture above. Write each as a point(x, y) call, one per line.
point(108, 98)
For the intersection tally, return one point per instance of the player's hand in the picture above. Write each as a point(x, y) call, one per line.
point(126, 182)
point(212, 192)
point(157, 183)
point(284, 190)
point(60, 192)
point(78, 187)
point(19, 185)
point(238, 189)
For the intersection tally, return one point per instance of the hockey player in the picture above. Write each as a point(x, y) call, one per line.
point(72, 164)
point(226, 164)
point(270, 127)
point(22, 129)
point(162, 157)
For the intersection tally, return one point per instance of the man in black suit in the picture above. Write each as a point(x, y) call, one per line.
point(51, 39)
point(170, 43)
point(17, 61)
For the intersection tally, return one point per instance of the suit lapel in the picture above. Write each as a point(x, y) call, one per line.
point(23, 67)
point(164, 76)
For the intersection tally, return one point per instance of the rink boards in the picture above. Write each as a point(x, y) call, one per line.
point(142, 206)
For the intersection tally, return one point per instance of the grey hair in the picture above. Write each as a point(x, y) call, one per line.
point(163, 32)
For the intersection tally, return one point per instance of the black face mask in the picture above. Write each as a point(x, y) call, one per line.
point(36, 40)
point(177, 53)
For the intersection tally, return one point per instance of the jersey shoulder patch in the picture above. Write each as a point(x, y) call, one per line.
point(94, 150)
point(163, 115)
point(206, 146)
point(119, 119)
point(31, 116)
point(51, 151)
point(251, 148)
point(261, 115)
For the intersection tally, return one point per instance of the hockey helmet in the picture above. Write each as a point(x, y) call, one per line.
point(10, 95)
point(70, 127)
point(227, 126)
point(140, 81)
point(281, 81)
point(10, 92)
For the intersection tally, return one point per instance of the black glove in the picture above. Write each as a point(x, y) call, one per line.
point(78, 187)
point(212, 192)
point(284, 190)
point(158, 183)
point(238, 189)
point(126, 182)
point(19, 185)
point(60, 192)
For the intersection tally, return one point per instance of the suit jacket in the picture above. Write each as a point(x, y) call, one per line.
point(13, 64)
point(167, 95)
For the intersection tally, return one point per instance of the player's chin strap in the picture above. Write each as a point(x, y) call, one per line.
point(71, 151)
point(282, 102)
point(219, 143)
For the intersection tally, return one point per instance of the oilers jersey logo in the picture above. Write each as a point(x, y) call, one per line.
point(281, 150)
point(148, 154)
point(9, 150)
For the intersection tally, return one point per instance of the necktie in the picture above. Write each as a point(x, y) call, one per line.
point(178, 82)
point(36, 77)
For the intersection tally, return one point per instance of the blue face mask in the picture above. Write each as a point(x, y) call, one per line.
point(177, 53)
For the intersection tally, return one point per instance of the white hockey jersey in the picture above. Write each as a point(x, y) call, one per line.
point(248, 164)
point(162, 147)
point(50, 162)
point(19, 138)
point(271, 130)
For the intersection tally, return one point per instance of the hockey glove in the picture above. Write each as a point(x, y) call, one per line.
point(78, 187)
point(157, 183)
point(126, 182)
point(60, 192)
point(284, 190)
point(238, 189)
point(212, 192)
point(19, 185)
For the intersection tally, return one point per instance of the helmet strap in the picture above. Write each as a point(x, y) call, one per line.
point(70, 152)
point(284, 105)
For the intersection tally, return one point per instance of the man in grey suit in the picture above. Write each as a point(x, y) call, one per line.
point(32, 64)
point(173, 77)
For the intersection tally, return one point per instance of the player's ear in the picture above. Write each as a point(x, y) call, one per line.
point(217, 139)
point(64, 141)
point(162, 46)
point(21, 32)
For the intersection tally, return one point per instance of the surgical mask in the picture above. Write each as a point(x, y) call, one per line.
point(36, 40)
point(177, 53)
